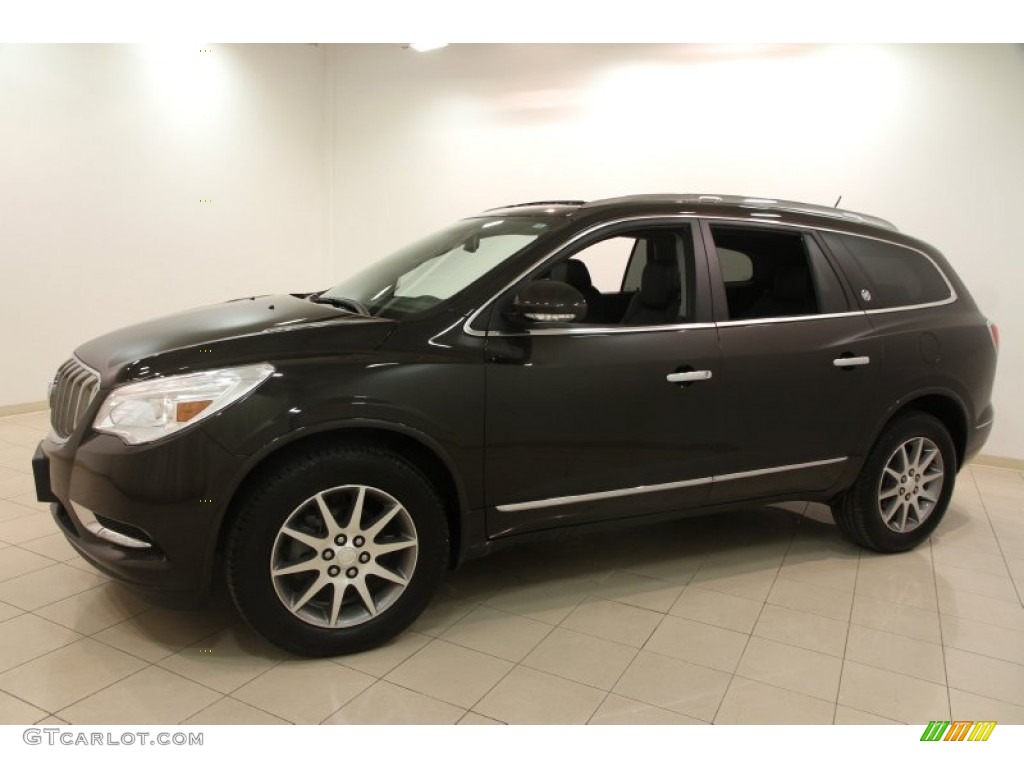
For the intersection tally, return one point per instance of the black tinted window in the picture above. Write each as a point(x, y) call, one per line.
point(896, 276)
point(767, 273)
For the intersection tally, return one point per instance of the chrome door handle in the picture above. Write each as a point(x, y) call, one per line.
point(851, 362)
point(685, 376)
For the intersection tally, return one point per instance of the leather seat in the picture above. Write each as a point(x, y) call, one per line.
point(657, 301)
point(792, 294)
point(575, 273)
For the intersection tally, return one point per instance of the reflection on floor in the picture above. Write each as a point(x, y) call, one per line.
point(763, 616)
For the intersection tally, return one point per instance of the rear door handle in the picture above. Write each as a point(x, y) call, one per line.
point(684, 377)
point(851, 362)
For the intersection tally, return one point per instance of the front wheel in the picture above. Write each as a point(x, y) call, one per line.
point(904, 487)
point(337, 551)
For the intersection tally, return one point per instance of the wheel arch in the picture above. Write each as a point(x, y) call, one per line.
point(945, 407)
point(406, 442)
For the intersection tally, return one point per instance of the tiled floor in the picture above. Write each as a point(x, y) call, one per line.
point(763, 616)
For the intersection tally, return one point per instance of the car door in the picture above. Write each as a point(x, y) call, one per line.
point(611, 417)
point(798, 359)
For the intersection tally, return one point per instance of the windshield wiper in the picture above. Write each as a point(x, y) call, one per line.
point(341, 303)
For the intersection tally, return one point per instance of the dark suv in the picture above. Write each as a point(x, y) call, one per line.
point(536, 367)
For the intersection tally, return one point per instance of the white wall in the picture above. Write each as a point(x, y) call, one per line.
point(105, 154)
point(926, 136)
point(320, 159)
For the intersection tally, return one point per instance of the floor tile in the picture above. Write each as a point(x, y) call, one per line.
point(618, 710)
point(985, 676)
point(440, 615)
point(68, 674)
point(583, 658)
point(26, 637)
point(640, 591)
point(717, 608)
point(613, 621)
point(969, 560)
point(384, 658)
point(685, 688)
point(971, 582)
point(472, 718)
point(549, 602)
point(850, 716)
point(157, 633)
point(9, 511)
point(983, 639)
point(893, 617)
point(16, 486)
point(971, 706)
point(896, 653)
point(748, 702)
point(229, 711)
point(14, 711)
point(227, 660)
point(450, 672)
point(16, 561)
point(151, 696)
point(732, 580)
point(987, 610)
point(48, 585)
point(94, 609)
point(8, 612)
point(810, 598)
point(527, 696)
point(787, 666)
point(26, 528)
point(821, 567)
point(892, 695)
point(55, 546)
point(304, 692)
point(497, 633)
point(384, 703)
point(914, 589)
point(806, 630)
point(673, 569)
point(698, 643)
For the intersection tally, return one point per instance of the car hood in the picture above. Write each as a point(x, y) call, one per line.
point(213, 334)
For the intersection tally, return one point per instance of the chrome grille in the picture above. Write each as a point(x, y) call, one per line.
point(73, 390)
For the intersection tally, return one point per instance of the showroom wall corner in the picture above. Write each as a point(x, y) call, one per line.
point(143, 180)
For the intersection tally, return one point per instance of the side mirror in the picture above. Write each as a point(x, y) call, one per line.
point(549, 301)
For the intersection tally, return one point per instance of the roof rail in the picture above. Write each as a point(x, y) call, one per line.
point(539, 202)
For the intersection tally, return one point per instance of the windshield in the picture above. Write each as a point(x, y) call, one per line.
point(431, 270)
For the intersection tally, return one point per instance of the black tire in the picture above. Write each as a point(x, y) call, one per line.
point(298, 493)
point(859, 512)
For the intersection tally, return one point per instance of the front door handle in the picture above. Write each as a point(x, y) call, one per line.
point(684, 377)
point(851, 362)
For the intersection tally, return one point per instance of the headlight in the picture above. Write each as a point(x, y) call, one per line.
point(149, 410)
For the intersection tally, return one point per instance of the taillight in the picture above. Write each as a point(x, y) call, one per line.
point(993, 331)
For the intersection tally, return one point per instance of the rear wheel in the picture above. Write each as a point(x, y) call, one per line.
point(337, 551)
point(904, 487)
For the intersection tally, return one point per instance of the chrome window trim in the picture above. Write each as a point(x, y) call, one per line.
point(467, 326)
point(559, 501)
point(603, 330)
point(696, 217)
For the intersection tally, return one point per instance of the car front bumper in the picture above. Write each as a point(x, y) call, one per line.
point(146, 515)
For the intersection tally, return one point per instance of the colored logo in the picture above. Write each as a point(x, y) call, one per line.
point(958, 730)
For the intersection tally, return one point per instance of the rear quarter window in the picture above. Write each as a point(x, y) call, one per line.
point(895, 276)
